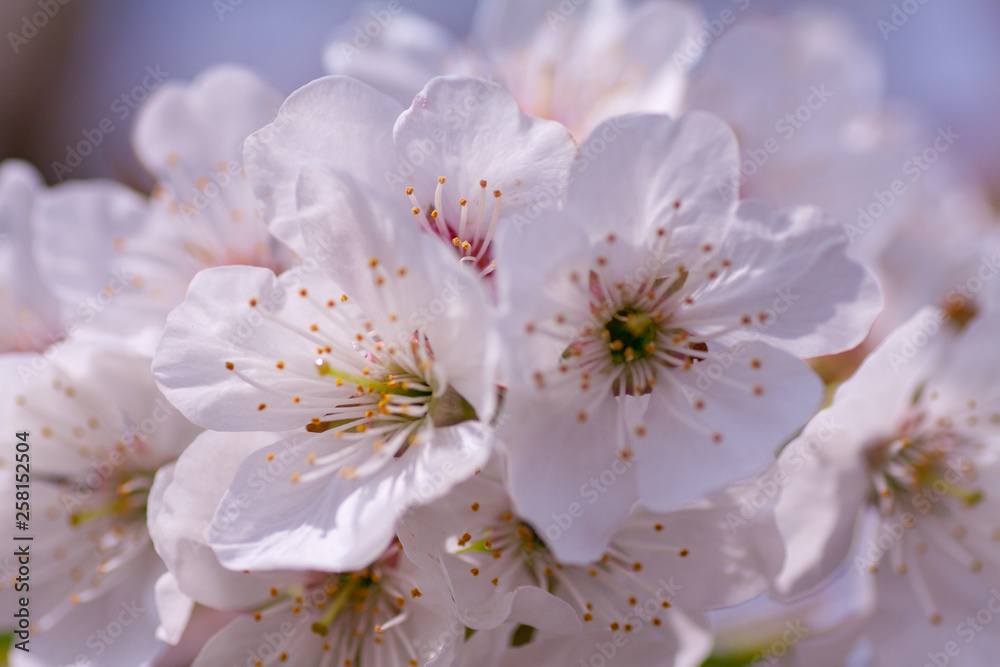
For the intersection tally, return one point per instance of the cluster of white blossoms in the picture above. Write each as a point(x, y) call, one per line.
point(610, 335)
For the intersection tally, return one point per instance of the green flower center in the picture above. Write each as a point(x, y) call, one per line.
point(631, 335)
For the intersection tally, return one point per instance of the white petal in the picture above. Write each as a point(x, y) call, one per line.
point(632, 171)
point(334, 121)
point(729, 555)
point(333, 522)
point(173, 607)
point(567, 477)
point(181, 523)
point(792, 276)
point(722, 420)
point(217, 325)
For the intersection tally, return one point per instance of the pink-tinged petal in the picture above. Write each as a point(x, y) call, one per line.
point(658, 36)
point(815, 66)
point(98, 408)
point(720, 421)
point(337, 522)
point(29, 313)
point(791, 276)
point(502, 26)
point(240, 349)
point(809, 48)
point(409, 51)
point(471, 130)
point(334, 122)
point(581, 64)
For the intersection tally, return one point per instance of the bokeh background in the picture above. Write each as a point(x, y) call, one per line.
point(65, 78)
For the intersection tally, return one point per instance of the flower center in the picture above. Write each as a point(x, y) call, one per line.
point(923, 485)
point(508, 552)
point(631, 339)
point(906, 470)
point(631, 335)
point(126, 503)
point(355, 618)
point(472, 234)
point(393, 405)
